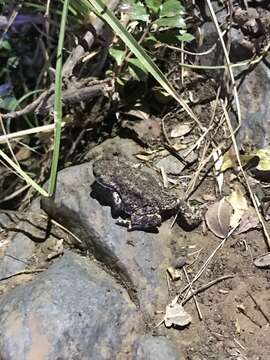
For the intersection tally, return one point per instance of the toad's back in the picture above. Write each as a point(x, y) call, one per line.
point(133, 185)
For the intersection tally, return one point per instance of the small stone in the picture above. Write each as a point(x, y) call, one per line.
point(155, 348)
point(180, 262)
point(174, 166)
point(70, 311)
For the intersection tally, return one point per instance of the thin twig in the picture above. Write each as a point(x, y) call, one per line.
point(29, 108)
point(259, 307)
point(186, 51)
point(22, 273)
point(22, 133)
point(14, 194)
point(205, 265)
point(46, 217)
point(193, 295)
point(236, 98)
point(254, 202)
point(206, 286)
point(7, 141)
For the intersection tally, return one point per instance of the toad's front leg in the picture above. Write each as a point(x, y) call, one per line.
point(146, 218)
point(188, 217)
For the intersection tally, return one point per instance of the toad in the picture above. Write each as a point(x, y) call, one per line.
point(137, 196)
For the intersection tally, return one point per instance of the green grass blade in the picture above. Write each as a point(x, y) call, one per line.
point(24, 97)
point(138, 51)
point(23, 174)
point(58, 102)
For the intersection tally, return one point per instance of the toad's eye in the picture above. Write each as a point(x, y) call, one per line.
point(117, 198)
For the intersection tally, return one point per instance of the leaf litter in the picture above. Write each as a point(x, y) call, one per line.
point(176, 314)
point(231, 212)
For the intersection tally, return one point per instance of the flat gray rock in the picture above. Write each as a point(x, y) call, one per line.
point(138, 259)
point(254, 96)
point(18, 252)
point(97, 307)
point(20, 242)
point(74, 310)
point(173, 166)
point(155, 348)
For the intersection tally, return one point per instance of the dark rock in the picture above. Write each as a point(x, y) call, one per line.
point(218, 8)
point(21, 238)
point(174, 166)
point(115, 145)
point(138, 259)
point(241, 49)
point(210, 40)
point(74, 310)
point(16, 255)
point(4, 221)
point(254, 93)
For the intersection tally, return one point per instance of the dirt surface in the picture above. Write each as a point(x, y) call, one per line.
point(231, 309)
point(232, 326)
point(235, 311)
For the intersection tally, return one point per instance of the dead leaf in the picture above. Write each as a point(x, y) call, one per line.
point(230, 160)
point(180, 130)
point(208, 197)
point(237, 325)
point(145, 157)
point(218, 218)
point(149, 154)
point(239, 205)
point(229, 213)
point(218, 158)
point(140, 114)
point(263, 261)
point(175, 274)
point(179, 147)
point(145, 130)
point(176, 315)
point(249, 221)
point(264, 156)
point(23, 154)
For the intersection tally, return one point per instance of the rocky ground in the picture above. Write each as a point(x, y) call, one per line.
point(102, 295)
point(77, 285)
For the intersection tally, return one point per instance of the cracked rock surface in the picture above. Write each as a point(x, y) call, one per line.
point(100, 306)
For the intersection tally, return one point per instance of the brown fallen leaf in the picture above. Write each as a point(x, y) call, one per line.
point(239, 205)
point(218, 218)
point(263, 261)
point(264, 156)
point(248, 221)
point(146, 130)
point(180, 130)
point(175, 274)
point(230, 160)
point(217, 156)
point(231, 212)
point(23, 154)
